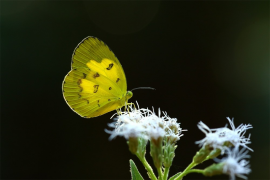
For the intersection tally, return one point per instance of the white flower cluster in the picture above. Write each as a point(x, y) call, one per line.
point(235, 163)
point(144, 123)
point(217, 137)
point(222, 138)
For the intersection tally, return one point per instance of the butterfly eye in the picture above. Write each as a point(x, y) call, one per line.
point(129, 94)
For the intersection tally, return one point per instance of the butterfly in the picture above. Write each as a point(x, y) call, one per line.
point(96, 83)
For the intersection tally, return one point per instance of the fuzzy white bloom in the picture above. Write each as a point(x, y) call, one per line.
point(154, 126)
point(235, 163)
point(128, 124)
point(172, 128)
point(144, 123)
point(217, 137)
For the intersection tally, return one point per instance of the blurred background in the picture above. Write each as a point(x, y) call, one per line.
point(207, 60)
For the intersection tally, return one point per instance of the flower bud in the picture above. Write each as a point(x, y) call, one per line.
point(202, 154)
point(214, 169)
point(213, 154)
point(168, 154)
point(156, 151)
point(133, 144)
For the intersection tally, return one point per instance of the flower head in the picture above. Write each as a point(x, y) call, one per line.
point(220, 138)
point(235, 164)
point(145, 123)
point(128, 124)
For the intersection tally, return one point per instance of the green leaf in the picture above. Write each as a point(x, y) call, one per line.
point(174, 176)
point(134, 171)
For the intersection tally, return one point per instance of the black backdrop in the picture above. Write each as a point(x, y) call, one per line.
point(207, 60)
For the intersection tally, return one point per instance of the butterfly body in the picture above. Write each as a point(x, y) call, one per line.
point(96, 83)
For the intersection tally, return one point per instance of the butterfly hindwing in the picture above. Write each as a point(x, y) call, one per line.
point(86, 90)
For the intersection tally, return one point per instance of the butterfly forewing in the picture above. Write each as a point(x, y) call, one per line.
point(92, 49)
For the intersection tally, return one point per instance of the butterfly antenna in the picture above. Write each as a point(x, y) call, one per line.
point(143, 88)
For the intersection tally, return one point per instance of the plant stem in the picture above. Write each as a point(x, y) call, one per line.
point(195, 171)
point(147, 167)
point(166, 172)
point(189, 171)
point(186, 171)
point(160, 174)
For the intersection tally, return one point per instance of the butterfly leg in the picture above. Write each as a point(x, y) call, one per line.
point(118, 111)
point(126, 107)
point(129, 106)
point(132, 104)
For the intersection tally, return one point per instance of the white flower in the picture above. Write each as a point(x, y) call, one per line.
point(172, 128)
point(128, 124)
point(235, 164)
point(144, 123)
point(217, 137)
point(154, 126)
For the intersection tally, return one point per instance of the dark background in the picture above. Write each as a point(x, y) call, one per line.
point(207, 60)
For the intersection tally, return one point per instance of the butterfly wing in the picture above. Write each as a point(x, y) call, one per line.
point(96, 83)
point(92, 52)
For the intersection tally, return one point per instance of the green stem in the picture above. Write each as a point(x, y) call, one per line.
point(189, 171)
point(186, 171)
point(166, 172)
point(195, 171)
point(147, 167)
point(160, 174)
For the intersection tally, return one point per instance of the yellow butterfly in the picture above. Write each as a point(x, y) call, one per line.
point(96, 83)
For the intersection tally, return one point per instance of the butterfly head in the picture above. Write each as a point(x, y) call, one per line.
point(129, 95)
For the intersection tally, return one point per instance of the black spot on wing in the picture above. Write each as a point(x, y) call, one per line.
point(110, 88)
point(117, 80)
point(96, 75)
point(79, 83)
point(96, 88)
point(110, 66)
